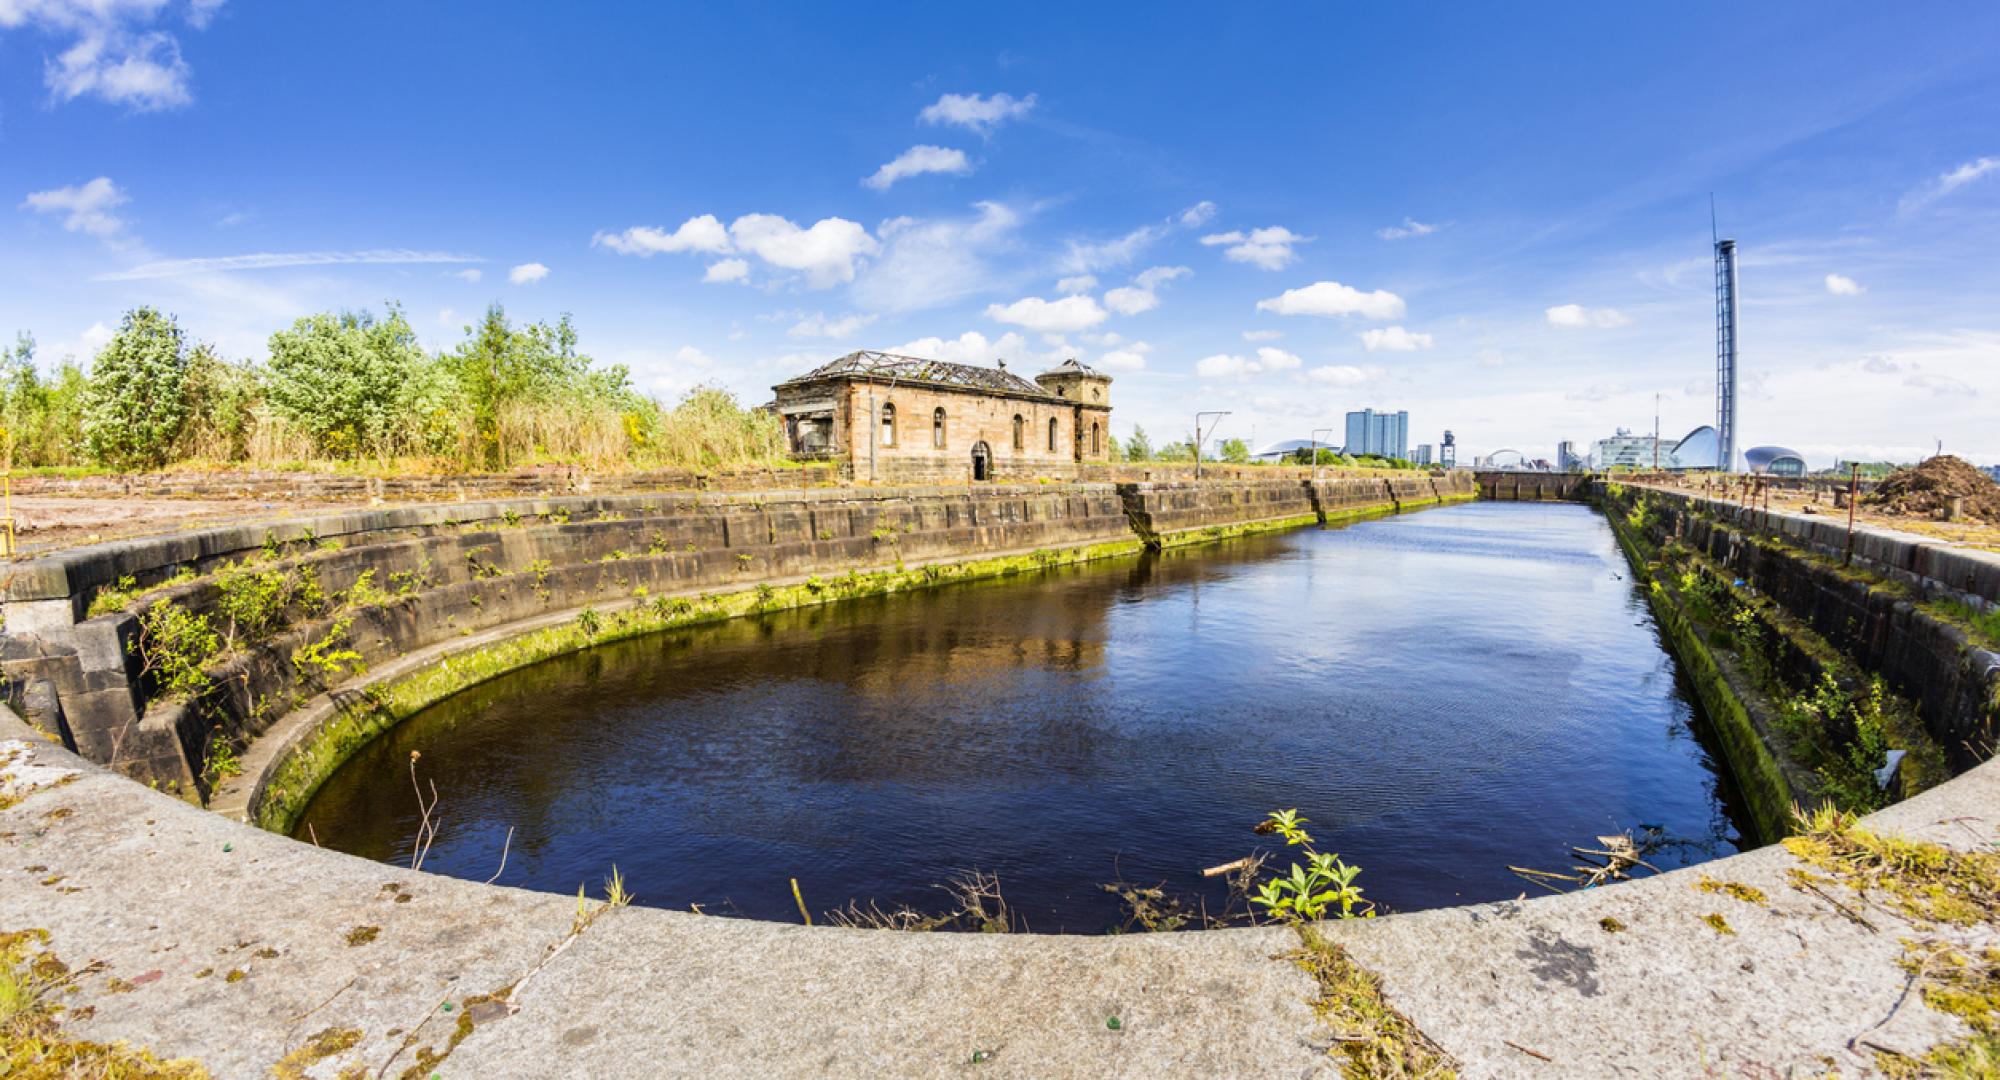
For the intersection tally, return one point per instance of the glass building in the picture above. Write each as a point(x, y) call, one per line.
point(1383, 434)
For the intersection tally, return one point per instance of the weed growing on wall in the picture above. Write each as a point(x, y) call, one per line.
point(328, 659)
point(175, 645)
point(253, 600)
point(114, 597)
point(221, 757)
point(364, 592)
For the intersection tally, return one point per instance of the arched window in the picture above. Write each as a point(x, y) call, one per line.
point(1020, 432)
point(1096, 445)
point(888, 424)
point(1052, 434)
point(937, 428)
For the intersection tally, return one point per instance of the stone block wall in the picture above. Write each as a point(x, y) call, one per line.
point(1880, 610)
point(389, 581)
point(1533, 486)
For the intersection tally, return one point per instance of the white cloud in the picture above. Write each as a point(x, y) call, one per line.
point(1409, 228)
point(1331, 298)
point(1842, 285)
point(113, 52)
point(1231, 366)
point(1082, 283)
point(273, 260)
point(86, 208)
point(1130, 301)
point(1268, 248)
point(937, 261)
point(703, 233)
point(527, 273)
point(818, 325)
point(972, 347)
point(1142, 295)
point(1067, 315)
point(1084, 258)
point(916, 161)
point(470, 276)
point(1341, 375)
point(1262, 335)
point(1874, 365)
point(1575, 315)
point(1198, 215)
point(826, 253)
point(1940, 385)
point(1966, 174)
point(980, 114)
point(1951, 181)
point(727, 270)
point(1130, 358)
point(1272, 359)
point(1394, 339)
point(1226, 366)
point(447, 318)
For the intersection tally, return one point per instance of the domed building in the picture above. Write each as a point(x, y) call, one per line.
point(1698, 449)
point(1775, 461)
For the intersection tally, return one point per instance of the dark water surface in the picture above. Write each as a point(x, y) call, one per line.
point(1442, 693)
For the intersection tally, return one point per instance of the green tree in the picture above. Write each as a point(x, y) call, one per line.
point(499, 366)
point(1139, 447)
point(136, 403)
point(342, 379)
point(1235, 451)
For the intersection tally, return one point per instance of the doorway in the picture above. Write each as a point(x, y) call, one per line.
point(982, 462)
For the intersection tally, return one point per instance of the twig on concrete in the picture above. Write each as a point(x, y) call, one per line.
point(1838, 906)
point(1525, 1050)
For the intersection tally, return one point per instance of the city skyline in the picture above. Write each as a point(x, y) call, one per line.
point(1430, 221)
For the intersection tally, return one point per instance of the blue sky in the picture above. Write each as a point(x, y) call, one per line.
point(1493, 216)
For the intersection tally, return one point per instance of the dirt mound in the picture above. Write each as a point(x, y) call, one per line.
point(1924, 490)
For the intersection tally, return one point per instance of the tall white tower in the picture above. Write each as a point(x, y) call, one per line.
point(1725, 354)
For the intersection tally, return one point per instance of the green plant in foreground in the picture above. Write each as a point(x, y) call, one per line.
point(589, 621)
point(1321, 887)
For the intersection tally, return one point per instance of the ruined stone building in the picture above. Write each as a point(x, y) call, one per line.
point(903, 419)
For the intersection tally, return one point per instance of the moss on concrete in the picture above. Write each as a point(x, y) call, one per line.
point(1184, 537)
point(1371, 1038)
point(1927, 883)
point(32, 1044)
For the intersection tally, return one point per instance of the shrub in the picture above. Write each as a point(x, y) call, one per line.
point(343, 379)
point(175, 645)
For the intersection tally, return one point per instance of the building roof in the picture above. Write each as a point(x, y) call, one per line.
point(1071, 367)
point(913, 369)
point(1763, 456)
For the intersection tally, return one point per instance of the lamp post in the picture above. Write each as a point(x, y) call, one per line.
point(1315, 457)
point(1198, 439)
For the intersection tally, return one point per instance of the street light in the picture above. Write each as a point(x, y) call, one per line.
point(1315, 457)
point(1198, 439)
